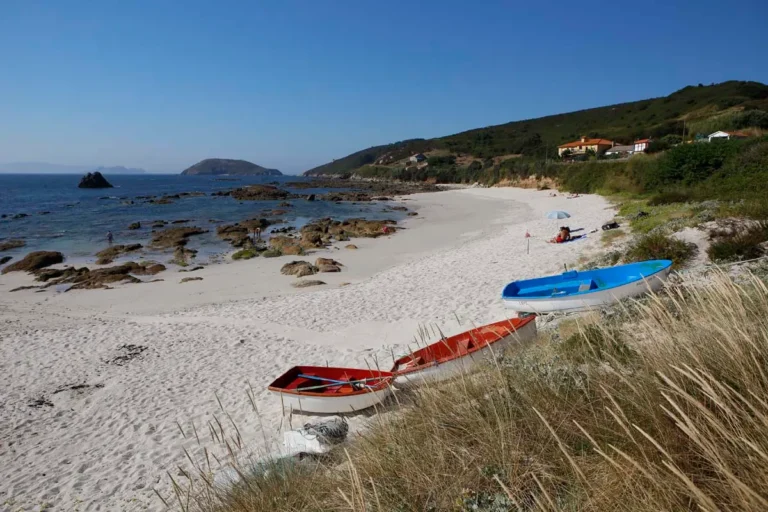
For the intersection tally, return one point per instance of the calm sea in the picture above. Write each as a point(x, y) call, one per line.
point(62, 217)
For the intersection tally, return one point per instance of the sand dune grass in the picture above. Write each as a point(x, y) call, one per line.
point(664, 406)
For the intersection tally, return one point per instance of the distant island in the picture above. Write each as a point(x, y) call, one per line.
point(223, 166)
point(119, 169)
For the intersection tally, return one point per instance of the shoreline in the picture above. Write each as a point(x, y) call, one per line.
point(151, 355)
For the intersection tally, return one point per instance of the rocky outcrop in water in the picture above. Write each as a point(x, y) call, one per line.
point(238, 234)
point(109, 254)
point(94, 180)
point(35, 261)
point(5, 259)
point(12, 244)
point(173, 237)
point(260, 193)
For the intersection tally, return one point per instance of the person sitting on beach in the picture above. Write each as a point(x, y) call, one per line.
point(564, 235)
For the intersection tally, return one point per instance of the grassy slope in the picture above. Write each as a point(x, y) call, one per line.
point(623, 123)
point(656, 408)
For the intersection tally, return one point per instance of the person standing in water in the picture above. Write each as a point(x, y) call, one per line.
point(109, 237)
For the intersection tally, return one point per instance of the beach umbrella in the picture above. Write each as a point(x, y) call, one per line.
point(558, 214)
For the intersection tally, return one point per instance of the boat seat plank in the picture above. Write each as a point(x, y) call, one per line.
point(561, 288)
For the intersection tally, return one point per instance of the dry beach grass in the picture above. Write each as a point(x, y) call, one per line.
point(660, 406)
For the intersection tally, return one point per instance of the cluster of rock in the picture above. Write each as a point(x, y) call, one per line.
point(109, 254)
point(257, 193)
point(176, 238)
point(37, 263)
point(304, 268)
point(84, 278)
point(238, 234)
point(324, 231)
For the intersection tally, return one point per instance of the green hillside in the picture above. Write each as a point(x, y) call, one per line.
point(729, 105)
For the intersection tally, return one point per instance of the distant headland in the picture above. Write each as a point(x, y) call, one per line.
point(222, 166)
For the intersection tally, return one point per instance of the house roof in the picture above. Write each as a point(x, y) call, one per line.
point(587, 142)
point(622, 149)
point(722, 133)
point(643, 141)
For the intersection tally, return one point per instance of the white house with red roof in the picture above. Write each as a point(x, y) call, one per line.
point(642, 144)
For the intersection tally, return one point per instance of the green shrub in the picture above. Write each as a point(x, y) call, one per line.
point(245, 254)
point(740, 246)
point(658, 246)
point(272, 253)
point(670, 197)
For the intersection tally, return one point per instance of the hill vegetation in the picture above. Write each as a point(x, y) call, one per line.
point(221, 166)
point(729, 105)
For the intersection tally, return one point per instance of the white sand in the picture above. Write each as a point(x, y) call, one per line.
point(107, 447)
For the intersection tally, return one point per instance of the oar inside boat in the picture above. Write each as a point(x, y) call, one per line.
point(357, 384)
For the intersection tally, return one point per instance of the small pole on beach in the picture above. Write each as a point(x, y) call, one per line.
point(528, 241)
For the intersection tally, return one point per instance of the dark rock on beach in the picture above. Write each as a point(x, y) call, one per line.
point(13, 243)
point(35, 261)
point(307, 283)
point(94, 180)
point(298, 269)
point(84, 278)
point(238, 234)
point(188, 279)
point(5, 259)
point(173, 237)
point(181, 255)
point(110, 253)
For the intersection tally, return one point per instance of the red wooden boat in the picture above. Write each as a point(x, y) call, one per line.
point(455, 354)
point(326, 390)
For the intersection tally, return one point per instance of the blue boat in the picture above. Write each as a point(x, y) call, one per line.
point(578, 291)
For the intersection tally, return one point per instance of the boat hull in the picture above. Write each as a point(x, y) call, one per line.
point(587, 301)
point(462, 364)
point(331, 390)
point(331, 404)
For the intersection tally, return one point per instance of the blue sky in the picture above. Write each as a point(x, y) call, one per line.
point(162, 84)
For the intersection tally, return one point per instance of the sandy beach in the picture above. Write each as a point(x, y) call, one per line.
point(95, 384)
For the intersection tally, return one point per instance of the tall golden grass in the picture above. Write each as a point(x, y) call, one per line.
point(664, 406)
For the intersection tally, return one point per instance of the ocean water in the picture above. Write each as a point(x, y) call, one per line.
point(74, 221)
